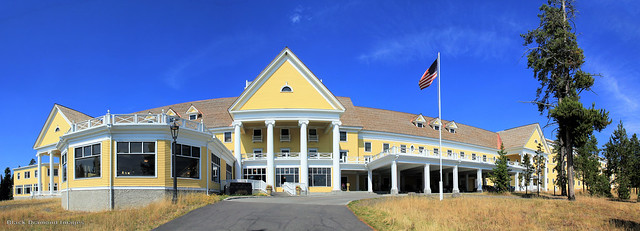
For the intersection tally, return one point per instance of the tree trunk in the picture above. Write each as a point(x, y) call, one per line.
point(571, 194)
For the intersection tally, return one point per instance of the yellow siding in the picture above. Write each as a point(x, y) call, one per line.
point(33, 179)
point(304, 95)
point(376, 147)
point(320, 189)
point(531, 143)
point(51, 136)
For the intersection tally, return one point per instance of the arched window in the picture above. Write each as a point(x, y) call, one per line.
point(286, 89)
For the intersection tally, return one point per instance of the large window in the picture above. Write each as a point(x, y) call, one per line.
point(27, 189)
point(367, 146)
point(215, 167)
point(136, 158)
point(27, 174)
point(87, 161)
point(319, 177)
point(286, 175)
point(187, 161)
point(19, 189)
point(255, 174)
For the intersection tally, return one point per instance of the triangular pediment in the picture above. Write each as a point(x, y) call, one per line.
point(452, 125)
point(286, 83)
point(435, 122)
point(193, 110)
point(171, 112)
point(56, 125)
point(420, 119)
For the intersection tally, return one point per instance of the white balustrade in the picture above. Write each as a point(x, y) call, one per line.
point(136, 119)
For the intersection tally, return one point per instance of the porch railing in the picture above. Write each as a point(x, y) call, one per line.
point(138, 120)
point(255, 184)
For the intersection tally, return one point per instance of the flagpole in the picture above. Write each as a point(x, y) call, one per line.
point(440, 128)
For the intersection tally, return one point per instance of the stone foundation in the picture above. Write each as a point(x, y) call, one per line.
point(98, 200)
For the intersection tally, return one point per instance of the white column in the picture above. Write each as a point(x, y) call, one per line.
point(237, 149)
point(304, 160)
point(517, 181)
point(270, 168)
point(336, 155)
point(39, 175)
point(369, 181)
point(479, 180)
point(50, 173)
point(455, 179)
point(394, 177)
point(427, 179)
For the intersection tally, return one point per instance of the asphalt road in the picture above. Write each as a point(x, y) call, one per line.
point(318, 212)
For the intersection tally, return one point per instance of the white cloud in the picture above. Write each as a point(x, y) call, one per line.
point(454, 41)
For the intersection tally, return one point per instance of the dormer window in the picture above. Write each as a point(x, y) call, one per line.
point(286, 88)
point(193, 117)
point(420, 125)
point(57, 129)
point(436, 127)
point(452, 130)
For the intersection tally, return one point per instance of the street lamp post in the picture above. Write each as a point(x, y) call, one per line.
point(175, 127)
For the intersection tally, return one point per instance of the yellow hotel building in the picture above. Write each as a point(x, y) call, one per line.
point(285, 130)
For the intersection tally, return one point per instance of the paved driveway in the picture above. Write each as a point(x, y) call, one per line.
point(316, 212)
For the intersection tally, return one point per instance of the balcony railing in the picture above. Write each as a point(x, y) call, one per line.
point(136, 119)
point(288, 155)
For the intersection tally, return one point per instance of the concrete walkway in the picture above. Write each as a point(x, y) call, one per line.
point(314, 212)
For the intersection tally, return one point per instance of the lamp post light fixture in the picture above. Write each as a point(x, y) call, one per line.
point(175, 127)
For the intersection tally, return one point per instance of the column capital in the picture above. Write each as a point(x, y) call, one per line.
point(269, 122)
point(334, 123)
point(237, 124)
point(301, 122)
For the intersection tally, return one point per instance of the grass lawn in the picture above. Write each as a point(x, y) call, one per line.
point(49, 210)
point(484, 212)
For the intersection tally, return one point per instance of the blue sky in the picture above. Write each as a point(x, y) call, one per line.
point(128, 56)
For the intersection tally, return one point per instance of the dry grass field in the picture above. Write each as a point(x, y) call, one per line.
point(510, 212)
point(46, 211)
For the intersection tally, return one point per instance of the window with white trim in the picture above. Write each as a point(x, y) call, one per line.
point(193, 117)
point(452, 130)
point(412, 148)
point(436, 127)
point(367, 146)
point(35, 187)
point(215, 168)
point(35, 173)
point(87, 161)
point(27, 189)
point(27, 174)
point(285, 135)
point(286, 88)
point(257, 135)
point(319, 177)
point(343, 136)
point(461, 154)
point(227, 137)
point(136, 158)
point(436, 151)
point(385, 147)
point(187, 161)
point(449, 153)
point(19, 189)
point(343, 155)
point(313, 135)
point(484, 158)
point(421, 150)
point(286, 175)
point(403, 148)
point(419, 124)
point(18, 176)
point(473, 156)
point(257, 152)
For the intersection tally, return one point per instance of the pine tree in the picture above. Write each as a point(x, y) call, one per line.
point(32, 162)
point(556, 61)
point(587, 164)
point(635, 163)
point(528, 172)
point(619, 161)
point(500, 176)
point(6, 184)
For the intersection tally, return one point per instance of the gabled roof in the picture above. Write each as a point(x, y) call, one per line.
point(419, 118)
point(435, 122)
point(172, 112)
point(286, 55)
point(451, 125)
point(192, 109)
point(518, 136)
point(214, 111)
point(71, 116)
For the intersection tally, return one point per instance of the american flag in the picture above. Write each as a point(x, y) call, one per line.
point(429, 76)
